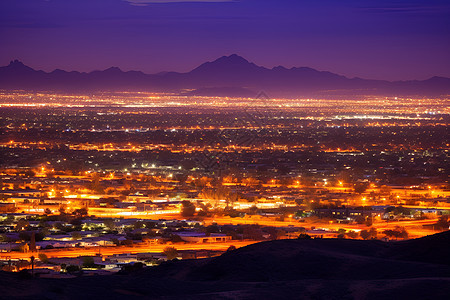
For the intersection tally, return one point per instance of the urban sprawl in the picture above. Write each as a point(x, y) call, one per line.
point(115, 182)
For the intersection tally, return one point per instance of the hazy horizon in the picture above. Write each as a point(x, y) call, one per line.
point(194, 67)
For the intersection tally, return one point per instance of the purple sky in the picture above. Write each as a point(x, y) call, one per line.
point(370, 39)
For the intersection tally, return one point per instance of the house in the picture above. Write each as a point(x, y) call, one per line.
point(342, 212)
point(56, 244)
point(200, 237)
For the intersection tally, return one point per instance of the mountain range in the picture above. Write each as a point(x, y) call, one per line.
point(232, 76)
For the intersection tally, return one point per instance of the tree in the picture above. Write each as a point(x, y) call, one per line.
point(360, 187)
point(373, 233)
point(202, 213)
point(76, 235)
point(43, 258)
point(82, 212)
point(443, 223)
point(304, 236)
point(3, 238)
point(170, 252)
point(21, 264)
point(402, 233)
point(150, 224)
point(22, 224)
point(187, 209)
point(364, 234)
point(138, 224)
point(341, 231)
point(72, 269)
point(24, 235)
point(30, 235)
point(175, 238)
point(231, 248)
point(232, 212)
point(360, 219)
point(109, 224)
point(132, 267)
point(95, 185)
point(397, 232)
point(88, 262)
point(30, 173)
point(24, 248)
point(76, 223)
point(212, 229)
point(62, 209)
point(403, 211)
point(280, 233)
point(352, 234)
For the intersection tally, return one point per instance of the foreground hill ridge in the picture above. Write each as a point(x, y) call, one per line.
point(282, 269)
point(230, 75)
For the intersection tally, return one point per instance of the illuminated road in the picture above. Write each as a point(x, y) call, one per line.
point(414, 228)
point(75, 252)
point(267, 221)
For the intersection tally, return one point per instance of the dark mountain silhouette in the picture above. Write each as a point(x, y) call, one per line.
point(284, 269)
point(216, 78)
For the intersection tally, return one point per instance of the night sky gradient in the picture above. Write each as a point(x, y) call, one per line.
point(394, 40)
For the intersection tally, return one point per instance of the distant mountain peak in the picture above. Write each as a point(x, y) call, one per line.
point(16, 63)
point(279, 68)
point(18, 66)
point(233, 58)
point(113, 70)
point(229, 63)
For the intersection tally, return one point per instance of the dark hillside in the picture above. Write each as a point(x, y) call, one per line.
point(285, 269)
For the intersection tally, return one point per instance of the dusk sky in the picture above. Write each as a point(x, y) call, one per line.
point(366, 38)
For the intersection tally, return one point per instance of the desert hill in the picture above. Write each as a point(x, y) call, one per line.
point(283, 269)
